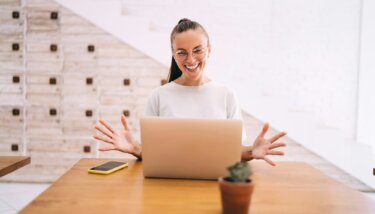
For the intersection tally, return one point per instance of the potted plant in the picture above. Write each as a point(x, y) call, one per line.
point(236, 189)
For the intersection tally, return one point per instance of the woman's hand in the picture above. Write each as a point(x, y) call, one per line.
point(119, 140)
point(263, 147)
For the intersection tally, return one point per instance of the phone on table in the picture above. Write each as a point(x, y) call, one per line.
point(108, 167)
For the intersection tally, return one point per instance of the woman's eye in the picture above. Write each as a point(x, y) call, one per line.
point(181, 53)
point(197, 51)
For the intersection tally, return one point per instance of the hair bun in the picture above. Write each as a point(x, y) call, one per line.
point(184, 20)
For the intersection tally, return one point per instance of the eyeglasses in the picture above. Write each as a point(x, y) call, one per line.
point(182, 55)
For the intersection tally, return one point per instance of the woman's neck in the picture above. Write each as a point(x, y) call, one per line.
point(188, 82)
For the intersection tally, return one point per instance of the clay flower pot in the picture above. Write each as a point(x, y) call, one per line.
point(235, 196)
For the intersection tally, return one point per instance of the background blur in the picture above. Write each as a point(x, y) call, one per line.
point(304, 66)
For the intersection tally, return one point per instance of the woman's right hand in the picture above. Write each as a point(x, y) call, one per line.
point(119, 140)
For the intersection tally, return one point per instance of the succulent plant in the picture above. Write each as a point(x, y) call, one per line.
point(239, 172)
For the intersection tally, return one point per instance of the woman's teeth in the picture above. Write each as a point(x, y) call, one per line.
point(192, 67)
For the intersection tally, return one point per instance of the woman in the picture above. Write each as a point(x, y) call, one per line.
point(189, 93)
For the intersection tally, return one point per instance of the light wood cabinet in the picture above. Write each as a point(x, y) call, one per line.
point(59, 75)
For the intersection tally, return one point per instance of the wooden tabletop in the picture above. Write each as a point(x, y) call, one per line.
point(290, 187)
point(9, 164)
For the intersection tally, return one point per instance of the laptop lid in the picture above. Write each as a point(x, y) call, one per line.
point(189, 148)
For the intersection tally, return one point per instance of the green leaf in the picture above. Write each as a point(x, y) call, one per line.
point(239, 172)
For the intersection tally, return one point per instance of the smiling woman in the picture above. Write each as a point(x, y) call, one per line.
point(190, 94)
point(188, 35)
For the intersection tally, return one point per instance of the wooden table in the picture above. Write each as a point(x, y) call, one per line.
point(9, 164)
point(291, 187)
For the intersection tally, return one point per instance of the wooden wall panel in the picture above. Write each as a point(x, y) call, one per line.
point(11, 145)
point(11, 54)
point(12, 121)
point(10, 2)
point(63, 74)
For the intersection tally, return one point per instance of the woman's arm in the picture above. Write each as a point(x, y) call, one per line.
point(263, 147)
point(119, 140)
point(246, 154)
point(124, 141)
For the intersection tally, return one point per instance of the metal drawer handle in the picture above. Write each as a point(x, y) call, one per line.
point(90, 48)
point(16, 79)
point(54, 15)
point(53, 47)
point(53, 112)
point(86, 149)
point(52, 81)
point(15, 14)
point(14, 147)
point(89, 81)
point(88, 113)
point(15, 112)
point(126, 82)
point(15, 46)
point(126, 113)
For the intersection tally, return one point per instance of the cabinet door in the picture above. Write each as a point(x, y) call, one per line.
point(78, 120)
point(43, 120)
point(12, 119)
point(11, 145)
point(11, 88)
point(11, 52)
point(45, 56)
point(79, 83)
point(43, 89)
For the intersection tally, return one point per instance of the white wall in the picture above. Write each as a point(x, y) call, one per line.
point(366, 115)
point(302, 54)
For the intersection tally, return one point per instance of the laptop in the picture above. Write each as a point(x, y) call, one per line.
point(189, 148)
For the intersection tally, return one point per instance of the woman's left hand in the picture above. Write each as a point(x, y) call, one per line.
point(263, 147)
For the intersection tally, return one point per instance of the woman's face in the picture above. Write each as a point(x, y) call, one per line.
point(190, 51)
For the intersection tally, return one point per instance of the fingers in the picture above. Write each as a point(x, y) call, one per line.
point(107, 125)
point(269, 161)
point(124, 123)
point(277, 145)
point(104, 149)
point(264, 130)
point(98, 137)
point(273, 152)
point(276, 137)
point(104, 131)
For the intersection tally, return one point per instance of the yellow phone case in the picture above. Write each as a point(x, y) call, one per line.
point(108, 171)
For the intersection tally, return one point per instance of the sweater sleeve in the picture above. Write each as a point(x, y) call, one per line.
point(234, 112)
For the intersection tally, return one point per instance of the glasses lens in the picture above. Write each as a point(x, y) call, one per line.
point(182, 55)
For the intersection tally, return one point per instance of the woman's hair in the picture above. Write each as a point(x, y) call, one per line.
point(182, 26)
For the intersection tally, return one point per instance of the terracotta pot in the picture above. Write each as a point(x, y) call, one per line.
point(235, 197)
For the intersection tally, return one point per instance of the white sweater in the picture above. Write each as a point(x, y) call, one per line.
point(210, 100)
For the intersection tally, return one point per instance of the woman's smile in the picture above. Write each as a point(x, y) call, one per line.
point(192, 68)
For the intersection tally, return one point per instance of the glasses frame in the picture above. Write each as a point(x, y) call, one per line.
point(194, 55)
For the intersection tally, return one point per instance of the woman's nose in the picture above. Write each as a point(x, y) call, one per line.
point(190, 58)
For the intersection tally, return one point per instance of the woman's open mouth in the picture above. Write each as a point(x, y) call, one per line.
point(192, 68)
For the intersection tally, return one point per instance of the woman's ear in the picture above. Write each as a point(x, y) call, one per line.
point(209, 51)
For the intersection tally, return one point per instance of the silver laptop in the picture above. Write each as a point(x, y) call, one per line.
point(189, 148)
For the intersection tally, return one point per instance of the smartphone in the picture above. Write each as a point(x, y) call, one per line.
point(108, 167)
